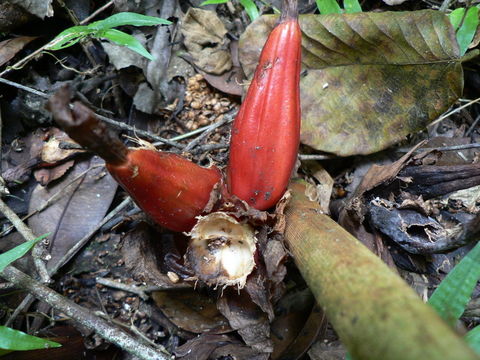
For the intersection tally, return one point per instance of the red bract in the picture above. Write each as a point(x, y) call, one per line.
point(266, 131)
point(172, 190)
point(168, 187)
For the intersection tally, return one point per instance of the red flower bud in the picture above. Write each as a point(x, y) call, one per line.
point(168, 187)
point(172, 190)
point(266, 131)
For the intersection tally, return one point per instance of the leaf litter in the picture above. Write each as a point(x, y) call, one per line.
point(394, 209)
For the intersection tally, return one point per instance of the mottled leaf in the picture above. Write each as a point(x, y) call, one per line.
point(372, 78)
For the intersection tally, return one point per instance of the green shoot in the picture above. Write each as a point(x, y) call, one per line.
point(103, 29)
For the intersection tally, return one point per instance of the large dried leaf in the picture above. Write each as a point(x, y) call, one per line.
point(85, 200)
point(372, 78)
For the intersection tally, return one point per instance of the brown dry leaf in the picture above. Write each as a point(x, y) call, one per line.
point(9, 48)
point(205, 41)
point(372, 78)
point(201, 347)
point(142, 251)
point(51, 152)
point(46, 175)
point(81, 207)
point(191, 311)
point(245, 317)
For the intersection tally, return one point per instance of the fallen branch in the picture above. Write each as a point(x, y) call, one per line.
point(83, 316)
point(375, 313)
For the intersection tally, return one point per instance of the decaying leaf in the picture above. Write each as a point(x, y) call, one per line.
point(245, 317)
point(82, 205)
point(9, 48)
point(191, 311)
point(206, 41)
point(372, 78)
point(40, 8)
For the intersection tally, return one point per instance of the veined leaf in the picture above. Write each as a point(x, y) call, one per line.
point(328, 7)
point(250, 8)
point(127, 18)
point(11, 339)
point(473, 339)
point(124, 39)
point(454, 292)
point(352, 6)
point(467, 29)
point(371, 79)
point(17, 252)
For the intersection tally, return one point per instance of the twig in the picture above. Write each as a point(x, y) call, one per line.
point(209, 147)
point(29, 236)
point(444, 148)
point(53, 270)
point(316, 157)
point(96, 12)
point(192, 133)
point(472, 127)
point(446, 115)
point(226, 119)
point(84, 316)
point(138, 290)
point(52, 198)
point(112, 122)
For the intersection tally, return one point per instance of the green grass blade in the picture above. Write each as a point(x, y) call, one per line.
point(69, 37)
point(328, 7)
point(127, 18)
point(352, 6)
point(210, 2)
point(124, 39)
point(454, 292)
point(17, 252)
point(11, 339)
point(467, 29)
point(251, 9)
point(473, 339)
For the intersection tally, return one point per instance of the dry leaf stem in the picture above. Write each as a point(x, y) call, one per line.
point(375, 313)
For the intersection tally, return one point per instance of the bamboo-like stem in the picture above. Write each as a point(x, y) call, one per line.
point(375, 313)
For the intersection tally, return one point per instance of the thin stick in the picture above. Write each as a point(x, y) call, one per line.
point(28, 235)
point(84, 316)
point(454, 111)
point(445, 148)
point(117, 124)
point(207, 132)
point(96, 12)
point(70, 254)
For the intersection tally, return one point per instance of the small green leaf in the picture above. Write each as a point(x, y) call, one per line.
point(17, 252)
point(473, 339)
point(467, 29)
point(210, 2)
point(11, 339)
point(352, 6)
point(69, 37)
point(127, 18)
point(454, 292)
point(328, 7)
point(456, 17)
point(250, 8)
point(124, 39)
